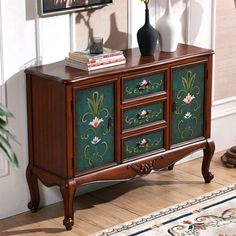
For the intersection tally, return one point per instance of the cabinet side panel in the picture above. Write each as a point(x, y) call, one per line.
point(49, 125)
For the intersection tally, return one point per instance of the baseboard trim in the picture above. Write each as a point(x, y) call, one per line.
point(224, 107)
point(224, 101)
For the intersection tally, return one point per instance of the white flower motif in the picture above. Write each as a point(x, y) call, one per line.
point(95, 140)
point(96, 122)
point(144, 83)
point(143, 113)
point(188, 115)
point(188, 99)
point(143, 142)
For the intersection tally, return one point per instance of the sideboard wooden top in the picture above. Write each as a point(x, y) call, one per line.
point(60, 72)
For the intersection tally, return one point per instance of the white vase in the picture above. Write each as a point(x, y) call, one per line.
point(169, 28)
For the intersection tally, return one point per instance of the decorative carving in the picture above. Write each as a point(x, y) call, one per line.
point(145, 168)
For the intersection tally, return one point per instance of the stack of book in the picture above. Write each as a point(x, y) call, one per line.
point(83, 60)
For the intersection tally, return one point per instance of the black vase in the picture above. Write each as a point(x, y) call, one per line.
point(147, 37)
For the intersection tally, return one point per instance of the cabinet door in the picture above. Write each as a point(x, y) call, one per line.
point(94, 126)
point(187, 102)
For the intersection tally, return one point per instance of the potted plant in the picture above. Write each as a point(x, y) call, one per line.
point(5, 132)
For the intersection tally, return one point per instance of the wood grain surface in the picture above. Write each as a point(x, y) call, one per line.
point(122, 202)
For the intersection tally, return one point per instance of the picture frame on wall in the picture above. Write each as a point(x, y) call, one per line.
point(52, 7)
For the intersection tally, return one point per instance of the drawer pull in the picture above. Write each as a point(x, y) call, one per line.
point(174, 106)
point(143, 85)
point(109, 123)
point(143, 143)
point(142, 114)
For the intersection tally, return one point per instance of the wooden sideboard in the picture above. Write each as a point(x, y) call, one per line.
point(118, 122)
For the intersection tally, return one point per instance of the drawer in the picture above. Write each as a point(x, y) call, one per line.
point(143, 144)
point(142, 115)
point(134, 87)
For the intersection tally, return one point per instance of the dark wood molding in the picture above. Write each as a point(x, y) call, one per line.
point(57, 71)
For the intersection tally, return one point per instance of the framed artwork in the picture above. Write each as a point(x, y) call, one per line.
point(52, 7)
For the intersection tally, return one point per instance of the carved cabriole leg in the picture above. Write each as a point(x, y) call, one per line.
point(67, 189)
point(208, 154)
point(34, 189)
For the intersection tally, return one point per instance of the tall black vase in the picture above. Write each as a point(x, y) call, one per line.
point(147, 37)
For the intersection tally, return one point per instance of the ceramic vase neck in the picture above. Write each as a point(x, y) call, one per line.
point(169, 8)
point(147, 21)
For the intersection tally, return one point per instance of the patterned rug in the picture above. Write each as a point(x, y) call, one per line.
point(213, 214)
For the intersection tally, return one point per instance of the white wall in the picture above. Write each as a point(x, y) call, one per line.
point(24, 41)
point(27, 40)
point(196, 17)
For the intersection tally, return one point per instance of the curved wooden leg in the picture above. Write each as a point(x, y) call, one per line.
point(32, 181)
point(67, 189)
point(208, 154)
point(171, 167)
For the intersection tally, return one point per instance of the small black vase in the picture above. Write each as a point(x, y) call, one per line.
point(147, 37)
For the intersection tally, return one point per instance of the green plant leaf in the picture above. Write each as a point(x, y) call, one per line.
point(7, 151)
point(4, 111)
point(4, 129)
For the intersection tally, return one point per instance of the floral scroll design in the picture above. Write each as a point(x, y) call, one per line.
point(186, 98)
point(95, 148)
point(143, 145)
point(143, 117)
point(143, 86)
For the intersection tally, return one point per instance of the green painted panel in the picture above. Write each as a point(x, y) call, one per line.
point(188, 103)
point(144, 85)
point(143, 144)
point(143, 115)
point(94, 129)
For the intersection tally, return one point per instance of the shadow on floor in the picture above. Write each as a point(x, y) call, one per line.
point(84, 202)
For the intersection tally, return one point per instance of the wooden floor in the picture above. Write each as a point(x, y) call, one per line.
point(122, 202)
